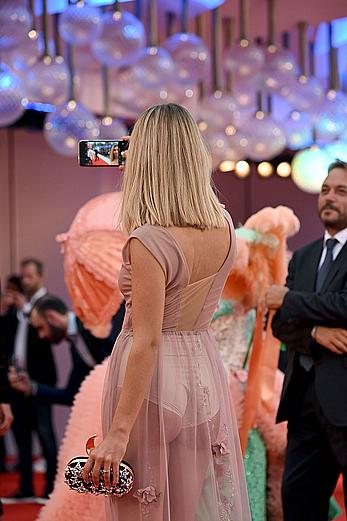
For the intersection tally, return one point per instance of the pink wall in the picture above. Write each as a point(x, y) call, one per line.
point(47, 190)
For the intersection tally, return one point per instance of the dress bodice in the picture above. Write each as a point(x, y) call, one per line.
point(188, 306)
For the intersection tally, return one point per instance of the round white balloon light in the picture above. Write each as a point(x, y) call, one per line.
point(244, 60)
point(331, 120)
point(223, 149)
point(191, 56)
point(266, 138)
point(48, 81)
point(15, 23)
point(80, 24)
point(336, 150)
point(12, 97)
point(309, 169)
point(218, 111)
point(298, 130)
point(154, 65)
point(67, 125)
point(304, 94)
point(121, 40)
point(280, 69)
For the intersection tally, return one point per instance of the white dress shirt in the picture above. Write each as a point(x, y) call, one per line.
point(21, 339)
point(74, 335)
point(341, 237)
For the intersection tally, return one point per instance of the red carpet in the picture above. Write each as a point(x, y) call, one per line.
point(23, 511)
point(99, 162)
point(29, 512)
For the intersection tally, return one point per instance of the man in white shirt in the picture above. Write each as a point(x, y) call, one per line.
point(312, 321)
point(34, 356)
point(90, 155)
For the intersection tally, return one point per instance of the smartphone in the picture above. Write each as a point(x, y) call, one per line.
point(102, 153)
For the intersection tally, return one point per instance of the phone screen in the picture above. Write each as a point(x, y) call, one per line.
point(102, 153)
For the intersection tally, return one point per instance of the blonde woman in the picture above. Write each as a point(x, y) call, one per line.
point(114, 155)
point(166, 405)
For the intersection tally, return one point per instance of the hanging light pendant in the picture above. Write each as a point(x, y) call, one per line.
point(154, 63)
point(305, 93)
point(121, 40)
point(189, 52)
point(331, 120)
point(48, 80)
point(245, 60)
point(80, 24)
point(109, 127)
point(71, 121)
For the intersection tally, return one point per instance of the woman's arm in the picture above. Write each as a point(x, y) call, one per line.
point(148, 295)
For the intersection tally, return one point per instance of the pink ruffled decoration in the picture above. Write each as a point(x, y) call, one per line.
point(92, 259)
point(146, 495)
point(220, 449)
point(265, 263)
point(84, 421)
point(280, 221)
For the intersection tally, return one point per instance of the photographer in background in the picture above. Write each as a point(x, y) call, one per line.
point(32, 355)
point(54, 322)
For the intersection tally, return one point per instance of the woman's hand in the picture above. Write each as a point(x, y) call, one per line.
point(106, 456)
point(125, 153)
point(333, 338)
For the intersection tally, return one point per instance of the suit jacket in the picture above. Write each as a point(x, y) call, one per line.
point(302, 309)
point(4, 385)
point(99, 348)
point(40, 361)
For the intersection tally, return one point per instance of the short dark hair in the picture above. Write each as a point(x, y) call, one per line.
point(31, 260)
point(50, 302)
point(15, 280)
point(338, 163)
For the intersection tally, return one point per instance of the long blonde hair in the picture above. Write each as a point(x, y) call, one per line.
point(167, 177)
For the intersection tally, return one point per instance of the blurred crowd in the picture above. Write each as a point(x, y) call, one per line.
point(31, 320)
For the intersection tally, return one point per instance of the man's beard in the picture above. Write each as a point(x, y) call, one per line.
point(56, 334)
point(338, 221)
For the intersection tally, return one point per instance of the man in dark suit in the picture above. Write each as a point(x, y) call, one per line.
point(33, 355)
point(312, 321)
point(53, 321)
point(6, 417)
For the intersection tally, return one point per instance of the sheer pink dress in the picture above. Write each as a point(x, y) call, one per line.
point(184, 448)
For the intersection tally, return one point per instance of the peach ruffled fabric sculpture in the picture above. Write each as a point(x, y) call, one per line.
point(92, 259)
point(255, 382)
point(84, 421)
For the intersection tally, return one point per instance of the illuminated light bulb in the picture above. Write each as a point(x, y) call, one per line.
point(227, 166)
point(242, 169)
point(284, 169)
point(310, 168)
point(265, 169)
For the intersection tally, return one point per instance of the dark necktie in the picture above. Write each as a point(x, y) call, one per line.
point(306, 361)
point(324, 269)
